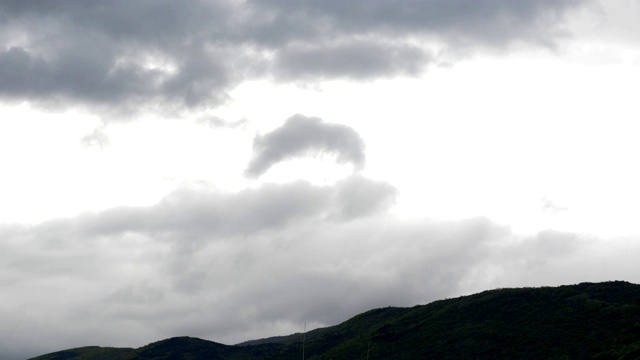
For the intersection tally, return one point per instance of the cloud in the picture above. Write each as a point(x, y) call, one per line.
point(490, 23)
point(359, 60)
point(260, 262)
point(97, 138)
point(358, 196)
point(129, 265)
point(217, 123)
point(120, 58)
point(549, 206)
point(301, 135)
point(235, 266)
point(198, 214)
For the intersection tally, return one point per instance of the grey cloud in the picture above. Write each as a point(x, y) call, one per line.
point(358, 196)
point(359, 60)
point(373, 264)
point(121, 57)
point(210, 214)
point(200, 214)
point(116, 53)
point(555, 244)
point(493, 22)
point(301, 135)
point(545, 247)
point(235, 266)
point(98, 79)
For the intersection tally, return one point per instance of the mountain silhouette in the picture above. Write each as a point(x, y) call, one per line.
point(584, 321)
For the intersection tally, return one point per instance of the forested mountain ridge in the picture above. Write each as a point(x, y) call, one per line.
point(584, 321)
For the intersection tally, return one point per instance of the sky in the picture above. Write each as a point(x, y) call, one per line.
point(236, 169)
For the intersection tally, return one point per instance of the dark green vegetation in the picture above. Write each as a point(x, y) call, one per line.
point(88, 352)
point(585, 321)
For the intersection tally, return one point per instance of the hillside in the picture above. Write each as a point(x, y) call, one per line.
point(585, 321)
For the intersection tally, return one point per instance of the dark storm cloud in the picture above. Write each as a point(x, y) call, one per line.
point(301, 135)
point(493, 22)
point(126, 56)
point(120, 53)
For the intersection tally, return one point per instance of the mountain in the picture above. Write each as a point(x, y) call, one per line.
point(584, 321)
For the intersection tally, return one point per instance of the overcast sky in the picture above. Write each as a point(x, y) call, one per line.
point(232, 170)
